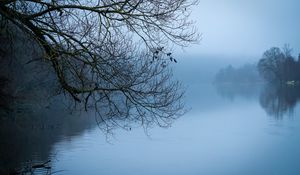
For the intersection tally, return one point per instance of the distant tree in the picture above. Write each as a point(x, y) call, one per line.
point(269, 65)
point(278, 65)
point(244, 74)
point(110, 54)
point(298, 69)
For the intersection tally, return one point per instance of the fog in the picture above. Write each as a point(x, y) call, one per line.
point(203, 68)
point(236, 33)
point(239, 124)
point(234, 29)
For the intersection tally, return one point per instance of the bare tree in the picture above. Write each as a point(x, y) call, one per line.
point(111, 54)
point(278, 65)
point(269, 65)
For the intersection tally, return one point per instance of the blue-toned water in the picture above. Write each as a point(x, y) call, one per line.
point(229, 130)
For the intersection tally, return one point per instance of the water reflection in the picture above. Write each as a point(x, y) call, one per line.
point(231, 91)
point(279, 101)
point(29, 132)
point(196, 144)
point(27, 136)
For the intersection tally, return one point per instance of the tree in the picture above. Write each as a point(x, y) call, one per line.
point(110, 55)
point(278, 65)
point(269, 64)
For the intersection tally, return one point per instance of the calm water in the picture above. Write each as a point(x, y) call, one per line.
point(229, 130)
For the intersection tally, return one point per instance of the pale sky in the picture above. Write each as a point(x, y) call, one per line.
point(237, 28)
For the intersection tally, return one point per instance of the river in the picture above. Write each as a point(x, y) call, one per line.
point(228, 130)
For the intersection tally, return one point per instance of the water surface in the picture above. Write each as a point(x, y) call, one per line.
point(247, 129)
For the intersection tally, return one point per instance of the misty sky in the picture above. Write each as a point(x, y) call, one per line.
point(246, 28)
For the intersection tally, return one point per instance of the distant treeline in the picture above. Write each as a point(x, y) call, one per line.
point(246, 74)
point(277, 66)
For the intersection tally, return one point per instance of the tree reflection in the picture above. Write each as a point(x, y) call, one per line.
point(231, 91)
point(28, 135)
point(279, 100)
